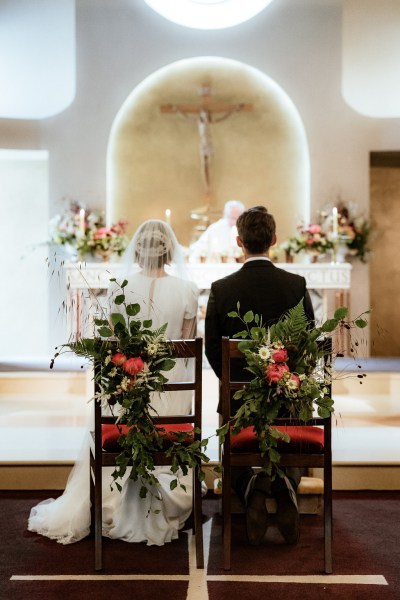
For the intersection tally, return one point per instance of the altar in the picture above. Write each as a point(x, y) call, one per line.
point(87, 283)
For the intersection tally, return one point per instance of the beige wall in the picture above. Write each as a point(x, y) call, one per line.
point(259, 157)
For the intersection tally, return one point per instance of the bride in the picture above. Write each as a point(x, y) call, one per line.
point(154, 267)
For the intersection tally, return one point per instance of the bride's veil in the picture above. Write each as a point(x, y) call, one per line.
point(153, 246)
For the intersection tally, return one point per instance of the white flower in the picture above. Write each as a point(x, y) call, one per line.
point(264, 352)
point(107, 359)
point(278, 345)
point(125, 382)
point(103, 398)
point(152, 348)
point(292, 384)
point(113, 372)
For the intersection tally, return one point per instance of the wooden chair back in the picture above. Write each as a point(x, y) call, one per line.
point(99, 458)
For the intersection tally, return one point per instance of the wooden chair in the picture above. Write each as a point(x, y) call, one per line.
point(310, 447)
point(99, 457)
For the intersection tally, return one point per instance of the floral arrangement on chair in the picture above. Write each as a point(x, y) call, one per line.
point(289, 377)
point(134, 358)
point(85, 231)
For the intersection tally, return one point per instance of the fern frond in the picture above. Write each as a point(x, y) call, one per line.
point(291, 325)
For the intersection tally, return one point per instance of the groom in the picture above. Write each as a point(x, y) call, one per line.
point(270, 292)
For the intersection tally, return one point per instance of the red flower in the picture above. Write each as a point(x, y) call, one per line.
point(280, 356)
point(133, 366)
point(275, 372)
point(118, 359)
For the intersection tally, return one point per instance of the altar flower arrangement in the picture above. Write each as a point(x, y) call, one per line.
point(135, 359)
point(353, 230)
point(312, 239)
point(84, 231)
point(350, 233)
point(103, 241)
point(288, 376)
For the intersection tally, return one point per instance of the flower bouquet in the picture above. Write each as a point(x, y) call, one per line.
point(312, 240)
point(134, 359)
point(354, 232)
point(85, 232)
point(288, 376)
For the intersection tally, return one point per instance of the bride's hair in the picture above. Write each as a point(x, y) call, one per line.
point(153, 246)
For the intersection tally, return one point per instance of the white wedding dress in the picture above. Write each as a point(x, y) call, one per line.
point(157, 518)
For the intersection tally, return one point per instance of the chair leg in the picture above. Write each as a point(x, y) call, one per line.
point(328, 519)
point(98, 500)
point(226, 518)
point(198, 520)
point(91, 496)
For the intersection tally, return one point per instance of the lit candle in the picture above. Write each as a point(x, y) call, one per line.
point(168, 216)
point(335, 222)
point(82, 222)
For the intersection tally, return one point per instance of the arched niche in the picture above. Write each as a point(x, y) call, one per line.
point(259, 157)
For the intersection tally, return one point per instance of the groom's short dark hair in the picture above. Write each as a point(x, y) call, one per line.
point(256, 228)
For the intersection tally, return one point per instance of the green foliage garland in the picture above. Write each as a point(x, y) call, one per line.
point(289, 376)
point(134, 359)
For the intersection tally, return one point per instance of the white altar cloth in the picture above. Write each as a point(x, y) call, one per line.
point(87, 283)
point(318, 276)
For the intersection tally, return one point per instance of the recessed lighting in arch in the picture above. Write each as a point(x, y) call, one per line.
point(208, 14)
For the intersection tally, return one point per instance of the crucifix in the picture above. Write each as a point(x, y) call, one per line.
point(205, 113)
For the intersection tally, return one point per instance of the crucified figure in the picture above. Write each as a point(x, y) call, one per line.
point(205, 114)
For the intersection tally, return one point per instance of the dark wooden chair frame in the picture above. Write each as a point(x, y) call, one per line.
point(297, 459)
point(99, 458)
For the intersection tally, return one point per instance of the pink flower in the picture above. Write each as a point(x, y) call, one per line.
point(133, 366)
point(275, 372)
point(314, 229)
point(280, 356)
point(101, 233)
point(118, 359)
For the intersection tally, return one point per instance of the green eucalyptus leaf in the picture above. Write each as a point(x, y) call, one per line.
point(117, 318)
point(132, 309)
point(361, 323)
point(120, 299)
point(100, 322)
point(248, 317)
point(105, 332)
point(167, 364)
point(341, 313)
point(329, 325)
point(143, 491)
point(240, 334)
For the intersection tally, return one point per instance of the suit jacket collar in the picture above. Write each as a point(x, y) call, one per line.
point(258, 263)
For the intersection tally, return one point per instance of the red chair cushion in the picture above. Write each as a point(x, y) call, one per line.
point(305, 438)
point(110, 434)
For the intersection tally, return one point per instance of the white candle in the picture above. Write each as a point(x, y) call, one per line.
point(335, 222)
point(168, 216)
point(82, 222)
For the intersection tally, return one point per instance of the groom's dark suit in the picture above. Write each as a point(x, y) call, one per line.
point(269, 292)
point(258, 286)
